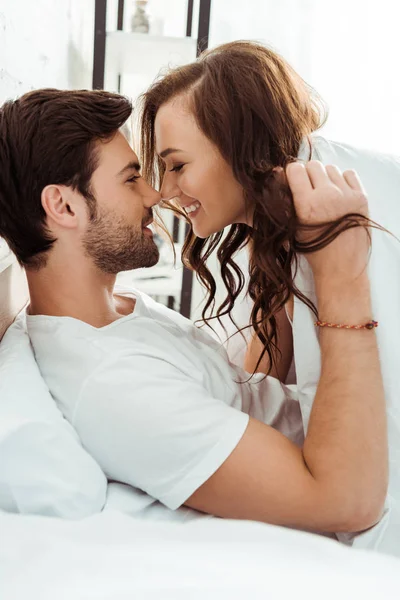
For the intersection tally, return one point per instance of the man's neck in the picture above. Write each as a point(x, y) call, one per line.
point(79, 292)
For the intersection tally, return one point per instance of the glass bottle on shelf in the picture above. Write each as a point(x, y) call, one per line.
point(140, 19)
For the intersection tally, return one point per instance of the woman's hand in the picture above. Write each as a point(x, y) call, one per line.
point(322, 195)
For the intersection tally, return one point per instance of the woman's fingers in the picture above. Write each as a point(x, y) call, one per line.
point(353, 180)
point(320, 175)
point(317, 173)
point(298, 180)
point(336, 177)
point(323, 194)
point(303, 178)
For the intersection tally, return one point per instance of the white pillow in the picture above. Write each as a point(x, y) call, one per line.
point(43, 467)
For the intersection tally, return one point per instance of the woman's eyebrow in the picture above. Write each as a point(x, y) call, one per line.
point(168, 151)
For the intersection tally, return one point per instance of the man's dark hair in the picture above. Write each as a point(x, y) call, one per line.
point(48, 136)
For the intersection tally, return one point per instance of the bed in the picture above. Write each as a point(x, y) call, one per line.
point(136, 548)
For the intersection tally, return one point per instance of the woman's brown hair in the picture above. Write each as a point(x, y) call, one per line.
point(257, 111)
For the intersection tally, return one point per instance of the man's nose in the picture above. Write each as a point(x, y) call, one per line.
point(152, 197)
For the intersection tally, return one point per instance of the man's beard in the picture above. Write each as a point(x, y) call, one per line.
point(115, 246)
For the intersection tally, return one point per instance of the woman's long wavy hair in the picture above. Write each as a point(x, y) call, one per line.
point(257, 111)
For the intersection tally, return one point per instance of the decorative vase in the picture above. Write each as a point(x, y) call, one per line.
point(140, 20)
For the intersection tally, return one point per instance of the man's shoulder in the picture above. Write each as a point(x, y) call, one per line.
point(148, 307)
point(139, 342)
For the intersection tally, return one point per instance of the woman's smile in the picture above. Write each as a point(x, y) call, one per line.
point(193, 209)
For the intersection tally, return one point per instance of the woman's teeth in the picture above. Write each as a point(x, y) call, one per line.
point(192, 207)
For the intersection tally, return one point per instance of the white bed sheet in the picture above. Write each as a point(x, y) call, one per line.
point(135, 503)
point(129, 552)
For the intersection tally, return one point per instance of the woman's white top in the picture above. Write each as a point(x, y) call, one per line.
point(380, 175)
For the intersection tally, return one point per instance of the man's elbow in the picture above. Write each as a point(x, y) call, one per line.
point(361, 515)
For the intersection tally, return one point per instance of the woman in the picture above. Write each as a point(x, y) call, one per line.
point(219, 130)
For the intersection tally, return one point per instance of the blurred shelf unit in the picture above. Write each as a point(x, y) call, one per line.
point(142, 53)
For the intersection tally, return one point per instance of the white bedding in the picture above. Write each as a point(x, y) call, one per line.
point(116, 556)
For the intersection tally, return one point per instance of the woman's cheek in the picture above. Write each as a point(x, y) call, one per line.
point(187, 185)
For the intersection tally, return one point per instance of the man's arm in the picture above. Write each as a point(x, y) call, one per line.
point(338, 481)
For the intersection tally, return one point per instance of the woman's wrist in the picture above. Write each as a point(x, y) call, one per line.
point(348, 303)
point(341, 282)
point(344, 260)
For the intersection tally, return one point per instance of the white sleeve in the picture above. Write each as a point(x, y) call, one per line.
point(152, 426)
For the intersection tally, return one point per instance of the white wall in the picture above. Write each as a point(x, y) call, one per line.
point(348, 50)
point(45, 44)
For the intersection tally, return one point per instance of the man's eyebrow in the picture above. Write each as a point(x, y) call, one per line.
point(168, 151)
point(133, 165)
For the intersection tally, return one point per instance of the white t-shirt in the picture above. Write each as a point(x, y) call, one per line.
point(153, 398)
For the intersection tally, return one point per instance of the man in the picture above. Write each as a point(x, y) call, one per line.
point(153, 398)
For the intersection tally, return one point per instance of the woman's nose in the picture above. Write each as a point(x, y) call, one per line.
point(169, 188)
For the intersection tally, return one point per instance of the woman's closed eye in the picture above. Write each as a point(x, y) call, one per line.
point(177, 168)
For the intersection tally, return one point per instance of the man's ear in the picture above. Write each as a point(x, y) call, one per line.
point(60, 205)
